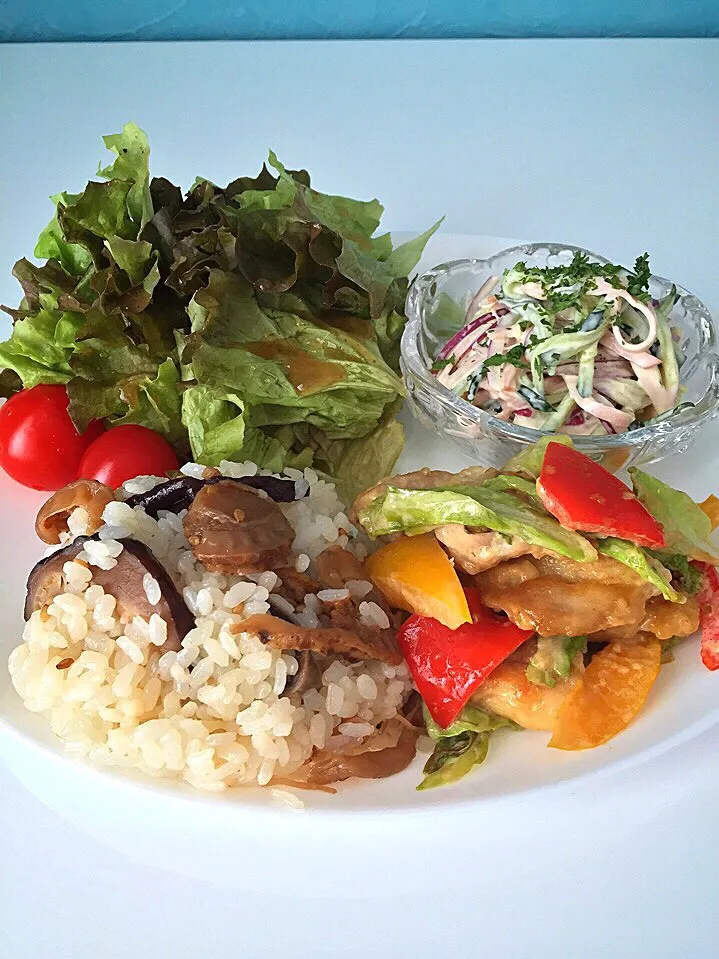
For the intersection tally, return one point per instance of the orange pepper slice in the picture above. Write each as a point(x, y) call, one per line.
point(612, 691)
point(415, 574)
point(711, 507)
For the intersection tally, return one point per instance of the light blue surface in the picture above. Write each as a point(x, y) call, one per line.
point(322, 19)
point(611, 145)
point(608, 144)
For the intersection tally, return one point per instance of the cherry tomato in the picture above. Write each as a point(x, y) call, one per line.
point(124, 452)
point(39, 445)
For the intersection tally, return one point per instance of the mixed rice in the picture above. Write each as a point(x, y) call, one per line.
point(213, 714)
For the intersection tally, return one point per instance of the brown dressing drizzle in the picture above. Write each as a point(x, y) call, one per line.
point(305, 372)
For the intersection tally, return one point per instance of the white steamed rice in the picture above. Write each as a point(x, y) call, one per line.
point(213, 714)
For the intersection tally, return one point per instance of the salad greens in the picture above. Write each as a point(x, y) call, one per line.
point(580, 347)
point(415, 511)
point(530, 459)
point(258, 320)
point(553, 658)
point(688, 575)
point(687, 528)
point(645, 565)
point(459, 747)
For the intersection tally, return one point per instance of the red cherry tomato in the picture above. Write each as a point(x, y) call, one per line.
point(124, 452)
point(39, 445)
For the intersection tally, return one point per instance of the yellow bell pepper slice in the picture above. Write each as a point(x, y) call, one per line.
point(415, 574)
point(711, 507)
point(610, 693)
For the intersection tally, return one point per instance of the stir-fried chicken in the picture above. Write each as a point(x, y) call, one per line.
point(560, 597)
point(477, 552)
point(661, 618)
point(507, 692)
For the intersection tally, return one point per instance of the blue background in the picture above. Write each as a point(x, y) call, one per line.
point(278, 19)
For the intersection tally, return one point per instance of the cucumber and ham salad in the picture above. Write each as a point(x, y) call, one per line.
point(580, 349)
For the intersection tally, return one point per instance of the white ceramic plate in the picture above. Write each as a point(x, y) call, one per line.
point(143, 817)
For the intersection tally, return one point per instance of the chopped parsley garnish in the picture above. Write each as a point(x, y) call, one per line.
point(440, 364)
point(638, 281)
point(515, 357)
point(566, 286)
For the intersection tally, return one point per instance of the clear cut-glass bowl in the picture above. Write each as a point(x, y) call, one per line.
point(489, 440)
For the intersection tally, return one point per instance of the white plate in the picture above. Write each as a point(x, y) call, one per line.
point(207, 836)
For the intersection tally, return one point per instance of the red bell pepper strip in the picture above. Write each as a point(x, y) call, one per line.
point(449, 664)
point(708, 597)
point(584, 496)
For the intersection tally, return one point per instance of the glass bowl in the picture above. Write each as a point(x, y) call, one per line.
point(490, 441)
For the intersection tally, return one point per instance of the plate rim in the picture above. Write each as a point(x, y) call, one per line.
point(333, 813)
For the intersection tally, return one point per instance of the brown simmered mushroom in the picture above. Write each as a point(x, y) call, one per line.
point(390, 750)
point(54, 513)
point(124, 581)
point(233, 529)
point(307, 675)
point(336, 567)
point(355, 643)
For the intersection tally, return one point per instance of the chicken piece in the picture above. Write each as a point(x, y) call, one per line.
point(421, 479)
point(507, 692)
point(232, 529)
point(666, 620)
point(661, 619)
point(560, 597)
point(477, 552)
point(346, 636)
point(508, 575)
point(602, 570)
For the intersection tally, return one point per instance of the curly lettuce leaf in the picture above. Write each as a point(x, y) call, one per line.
point(239, 293)
point(156, 402)
point(132, 164)
point(215, 424)
point(217, 430)
point(51, 243)
point(375, 271)
point(36, 350)
point(118, 379)
point(285, 367)
point(687, 528)
point(357, 464)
